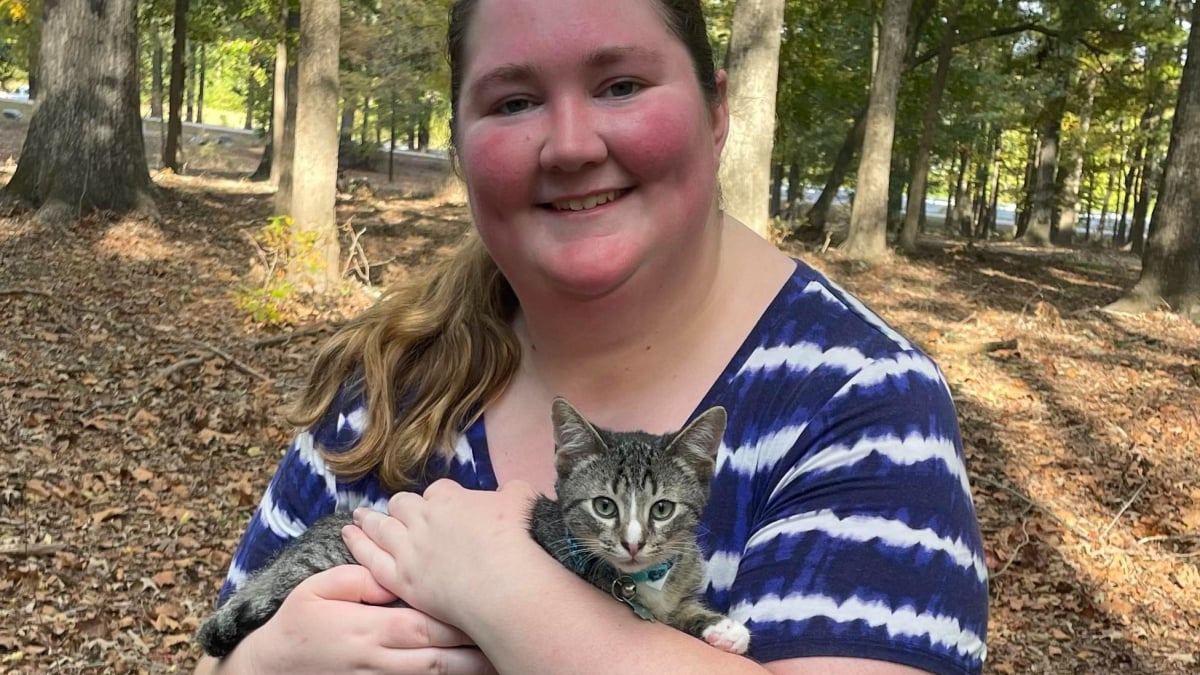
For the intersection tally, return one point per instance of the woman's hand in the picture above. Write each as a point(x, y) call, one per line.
point(451, 550)
point(324, 627)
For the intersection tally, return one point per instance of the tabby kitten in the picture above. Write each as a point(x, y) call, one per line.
point(625, 520)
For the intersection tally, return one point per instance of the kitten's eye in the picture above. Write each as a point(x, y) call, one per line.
point(662, 509)
point(604, 507)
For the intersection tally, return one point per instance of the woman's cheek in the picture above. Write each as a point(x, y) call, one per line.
point(496, 164)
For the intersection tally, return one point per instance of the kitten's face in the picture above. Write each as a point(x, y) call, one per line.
point(630, 498)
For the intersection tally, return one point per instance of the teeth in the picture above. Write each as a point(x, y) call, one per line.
point(585, 203)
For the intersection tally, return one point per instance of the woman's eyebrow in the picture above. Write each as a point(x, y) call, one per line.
point(505, 74)
point(510, 73)
point(608, 56)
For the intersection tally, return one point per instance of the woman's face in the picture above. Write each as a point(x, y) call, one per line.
point(589, 151)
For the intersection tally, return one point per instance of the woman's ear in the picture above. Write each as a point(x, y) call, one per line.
point(719, 117)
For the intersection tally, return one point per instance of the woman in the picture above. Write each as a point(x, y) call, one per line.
point(841, 527)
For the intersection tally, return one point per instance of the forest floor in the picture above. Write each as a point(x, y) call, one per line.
point(141, 417)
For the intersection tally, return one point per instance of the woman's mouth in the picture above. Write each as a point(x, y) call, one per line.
point(586, 203)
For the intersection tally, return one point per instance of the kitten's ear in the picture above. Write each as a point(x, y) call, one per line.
point(697, 443)
point(574, 437)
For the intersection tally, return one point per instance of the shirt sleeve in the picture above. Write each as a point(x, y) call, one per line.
point(302, 490)
point(865, 542)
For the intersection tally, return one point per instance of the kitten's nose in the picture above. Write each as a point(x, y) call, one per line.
point(633, 547)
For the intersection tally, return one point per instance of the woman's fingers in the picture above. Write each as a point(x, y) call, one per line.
point(348, 583)
point(412, 629)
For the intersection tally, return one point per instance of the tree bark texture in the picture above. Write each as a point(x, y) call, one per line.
point(1069, 218)
point(1046, 197)
point(918, 184)
point(819, 213)
point(753, 66)
point(170, 158)
point(156, 75)
point(868, 217)
point(285, 150)
point(84, 150)
point(316, 146)
point(1171, 267)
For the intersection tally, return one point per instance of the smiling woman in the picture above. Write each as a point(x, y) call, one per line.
point(840, 528)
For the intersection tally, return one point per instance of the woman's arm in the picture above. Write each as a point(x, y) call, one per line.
point(466, 557)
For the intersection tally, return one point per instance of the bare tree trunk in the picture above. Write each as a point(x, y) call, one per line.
point(170, 158)
point(868, 217)
point(1141, 203)
point(1171, 267)
point(84, 149)
point(285, 152)
point(753, 66)
point(156, 74)
point(819, 213)
point(279, 96)
point(201, 76)
point(251, 98)
point(191, 83)
point(1069, 217)
point(917, 188)
point(1104, 205)
point(776, 190)
point(1046, 197)
point(316, 144)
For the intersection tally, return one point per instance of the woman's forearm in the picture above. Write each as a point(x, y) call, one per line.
point(550, 621)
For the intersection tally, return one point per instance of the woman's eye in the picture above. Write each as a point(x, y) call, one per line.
point(623, 89)
point(662, 509)
point(604, 507)
point(513, 106)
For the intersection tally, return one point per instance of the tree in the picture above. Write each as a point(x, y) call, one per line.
point(314, 179)
point(170, 157)
point(1171, 266)
point(84, 150)
point(753, 66)
point(868, 217)
point(917, 188)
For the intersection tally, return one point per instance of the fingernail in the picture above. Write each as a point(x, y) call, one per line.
point(357, 516)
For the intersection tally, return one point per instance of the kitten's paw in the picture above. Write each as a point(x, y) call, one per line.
point(728, 636)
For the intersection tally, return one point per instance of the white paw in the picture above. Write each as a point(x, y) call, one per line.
point(728, 636)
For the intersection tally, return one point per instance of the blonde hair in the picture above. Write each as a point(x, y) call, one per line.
point(429, 356)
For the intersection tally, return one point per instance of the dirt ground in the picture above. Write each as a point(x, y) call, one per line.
point(141, 414)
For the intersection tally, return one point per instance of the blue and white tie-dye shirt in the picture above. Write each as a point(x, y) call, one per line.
point(841, 520)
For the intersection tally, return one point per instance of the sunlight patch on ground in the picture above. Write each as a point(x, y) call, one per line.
point(135, 240)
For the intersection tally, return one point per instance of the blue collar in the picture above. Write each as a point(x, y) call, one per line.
point(581, 562)
point(651, 574)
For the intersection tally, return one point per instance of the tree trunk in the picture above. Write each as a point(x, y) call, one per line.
point(1069, 218)
point(918, 184)
point(1046, 197)
point(366, 119)
point(819, 213)
point(868, 216)
point(957, 214)
point(202, 71)
point(285, 154)
point(753, 66)
point(279, 97)
point(191, 83)
point(170, 157)
point(776, 190)
point(156, 74)
point(84, 149)
point(316, 145)
point(1104, 205)
point(1141, 203)
point(251, 98)
point(346, 128)
point(1171, 268)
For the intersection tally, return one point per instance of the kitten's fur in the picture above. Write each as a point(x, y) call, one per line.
point(593, 465)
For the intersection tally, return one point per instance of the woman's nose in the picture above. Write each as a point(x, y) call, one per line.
point(572, 140)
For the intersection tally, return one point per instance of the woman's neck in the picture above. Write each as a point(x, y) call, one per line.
point(630, 336)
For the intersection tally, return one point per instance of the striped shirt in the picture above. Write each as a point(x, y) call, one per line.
point(841, 520)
